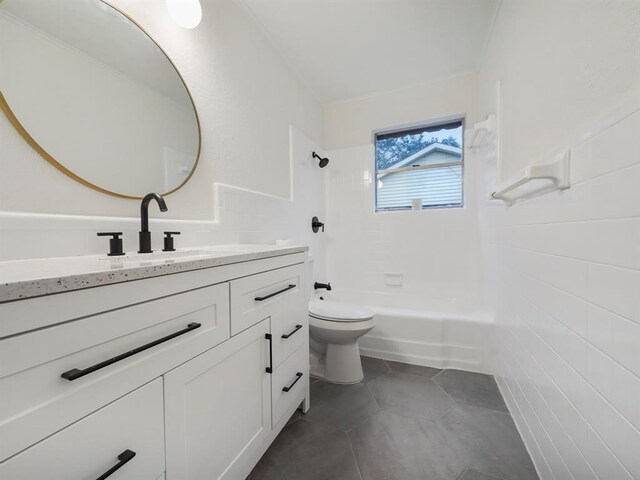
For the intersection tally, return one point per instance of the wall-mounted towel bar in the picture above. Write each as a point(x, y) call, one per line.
point(557, 172)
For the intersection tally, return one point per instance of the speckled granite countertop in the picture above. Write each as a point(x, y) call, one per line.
point(23, 279)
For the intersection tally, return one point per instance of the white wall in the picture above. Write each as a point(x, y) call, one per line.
point(564, 267)
point(350, 123)
point(246, 97)
point(437, 251)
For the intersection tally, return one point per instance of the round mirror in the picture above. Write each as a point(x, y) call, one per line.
point(96, 96)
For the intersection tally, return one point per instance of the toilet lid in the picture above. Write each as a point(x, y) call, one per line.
point(338, 311)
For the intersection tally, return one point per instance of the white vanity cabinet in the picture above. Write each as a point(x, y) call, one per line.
point(198, 379)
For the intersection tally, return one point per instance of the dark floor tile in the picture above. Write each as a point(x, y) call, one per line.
point(413, 369)
point(373, 367)
point(308, 451)
point(322, 391)
point(410, 395)
point(475, 475)
point(472, 388)
point(488, 441)
point(341, 406)
point(392, 447)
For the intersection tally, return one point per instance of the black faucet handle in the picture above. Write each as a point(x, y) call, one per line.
point(316, 224)
point(168, 241)
point(115, 244)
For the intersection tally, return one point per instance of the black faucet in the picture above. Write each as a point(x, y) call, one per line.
point(145, 234)
point(322, 285)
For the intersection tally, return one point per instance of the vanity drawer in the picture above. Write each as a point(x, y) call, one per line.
point(289, 328)
point(289, 384)
point(110, 354)
point(90, 447)
point(256, 297)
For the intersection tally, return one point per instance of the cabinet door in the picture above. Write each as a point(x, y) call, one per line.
point(126, 435)
point(218, 409)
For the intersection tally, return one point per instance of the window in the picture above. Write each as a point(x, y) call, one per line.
point(422, 163)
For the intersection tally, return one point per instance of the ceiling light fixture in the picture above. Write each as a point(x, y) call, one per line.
point(186, 13)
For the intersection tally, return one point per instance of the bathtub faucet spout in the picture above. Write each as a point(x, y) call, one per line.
point(317, 286)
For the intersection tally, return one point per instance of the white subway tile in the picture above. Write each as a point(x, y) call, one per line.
point(615, 289)
point(614, 148)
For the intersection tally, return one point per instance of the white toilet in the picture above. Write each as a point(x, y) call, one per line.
point(334, 330)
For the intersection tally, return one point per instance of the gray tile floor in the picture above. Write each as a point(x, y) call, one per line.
point(402, 422)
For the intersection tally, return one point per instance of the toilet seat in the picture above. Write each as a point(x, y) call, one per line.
point(338, 311)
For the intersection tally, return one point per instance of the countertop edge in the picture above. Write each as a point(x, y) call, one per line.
point(28, 289)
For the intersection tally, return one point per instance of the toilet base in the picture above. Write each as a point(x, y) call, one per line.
point(341, 364)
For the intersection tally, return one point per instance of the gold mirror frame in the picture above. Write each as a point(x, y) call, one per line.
point(44, 154)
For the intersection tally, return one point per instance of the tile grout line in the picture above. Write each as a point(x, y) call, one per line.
point(459, 477)
point(445, 412)
point(353, 454)
point(577, 259)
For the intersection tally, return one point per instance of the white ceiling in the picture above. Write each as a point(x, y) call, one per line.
point(350, 48)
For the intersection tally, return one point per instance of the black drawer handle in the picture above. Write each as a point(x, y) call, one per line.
point(268, 336)
point(287, 335)
point(123, 459)
point(298, 377)
point(76, 373)
point(260, 299)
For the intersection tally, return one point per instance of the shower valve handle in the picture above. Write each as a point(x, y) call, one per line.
point(316, 225)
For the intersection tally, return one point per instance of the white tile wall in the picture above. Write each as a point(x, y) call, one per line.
point(565, 273)
point(437, 252)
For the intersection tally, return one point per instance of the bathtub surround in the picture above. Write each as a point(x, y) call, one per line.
point(565, 274)
point(564, 267)
point(421, 272)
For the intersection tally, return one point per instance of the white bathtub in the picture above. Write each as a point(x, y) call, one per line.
point(437, 332)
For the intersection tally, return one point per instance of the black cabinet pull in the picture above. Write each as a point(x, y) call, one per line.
point(76, 373)
point(298, 377)
point(287, 335)
point(268, 336)
point(260, 299)
point(123, 459)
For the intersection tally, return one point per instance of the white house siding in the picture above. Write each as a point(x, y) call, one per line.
point(436, 186)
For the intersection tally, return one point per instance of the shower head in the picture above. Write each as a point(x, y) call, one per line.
point(323, 161)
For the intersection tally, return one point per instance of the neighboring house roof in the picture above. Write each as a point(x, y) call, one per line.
point(434, 147)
